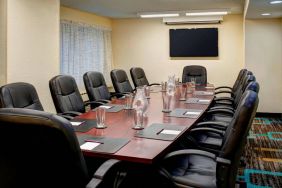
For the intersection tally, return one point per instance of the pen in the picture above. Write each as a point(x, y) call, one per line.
point(88, 140)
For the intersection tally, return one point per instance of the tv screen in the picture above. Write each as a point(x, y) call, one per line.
point(202, 42)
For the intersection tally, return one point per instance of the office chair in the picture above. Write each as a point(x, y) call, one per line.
point(236, 84)
point(40, 149)
point(139, 77)
point(19, 95)
point(195, 71)
point(96, 87)
point(208, 137)
point(66, 96)
point(197, 168)
point(120, 81)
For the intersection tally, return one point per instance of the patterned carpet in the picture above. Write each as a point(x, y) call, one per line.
point(263, 154)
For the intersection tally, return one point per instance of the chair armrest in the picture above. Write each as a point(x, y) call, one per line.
point(223, 87)
point(205, 129)
point(100, 174)
point(222, 107)
point(223, 91)
point(70, 113)
point(118, 95)
point(93, 104)
point(223, 161)
point(224, 99)
point(154, 84)
point(221, 111)
point(189, 152)
point(214, 124)
point(103, 101)
point(66, 116)
point(222, 171)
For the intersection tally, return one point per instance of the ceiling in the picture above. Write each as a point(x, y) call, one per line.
point(130, 8)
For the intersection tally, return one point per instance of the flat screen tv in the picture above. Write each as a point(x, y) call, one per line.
point(201, 42)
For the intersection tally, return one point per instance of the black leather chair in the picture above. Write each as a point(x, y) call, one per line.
point(120, 81)
point(96, 87)
point(240, 76)
point(195, 71)
point(66, 96)
point(39, 149)
point(19, 95)
point(139, 77)
point(198, 168)
point(208, 136)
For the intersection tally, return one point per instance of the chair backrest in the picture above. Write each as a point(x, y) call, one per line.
point(120, 81)
point(138, 77)
point(236, 133)
point(195, 71)
point(39, 149)
point(240, 76)
point(19, 95)
point(65, 94)
point(95, 86)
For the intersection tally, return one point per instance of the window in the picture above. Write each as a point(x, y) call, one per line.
point(85, 48)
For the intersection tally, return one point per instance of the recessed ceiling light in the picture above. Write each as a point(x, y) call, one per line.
point(158, 15)
point(206, 13)
point(275, 2)
point(265, 14)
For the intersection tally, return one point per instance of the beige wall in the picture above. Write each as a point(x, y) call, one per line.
point(79, 16)
point(263, 43)
point(145, 43)
point(3, 41)
point(33, 44)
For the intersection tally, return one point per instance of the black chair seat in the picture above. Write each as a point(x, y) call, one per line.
point(120, 81)
point(210, 141)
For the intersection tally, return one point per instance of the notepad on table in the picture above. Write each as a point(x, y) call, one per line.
point(204, 100)
point(76, 123)
point(89, 145)
point(192, 113)
point(174, 132)
point(107, 107)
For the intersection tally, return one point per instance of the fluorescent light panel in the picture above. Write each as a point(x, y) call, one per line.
point(275, 2)
point(206, 13)
point(266, 14)
point(158, 15)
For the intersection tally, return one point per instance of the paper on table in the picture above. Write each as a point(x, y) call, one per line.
point(174, 132)
point(204, 100)
point(192, 113)
point(76, 123)
point(209, 87)
point(89, 145)
point(107, 107)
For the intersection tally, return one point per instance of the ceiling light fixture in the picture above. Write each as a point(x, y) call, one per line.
point(158, 15)
point(206, 13)
point(265, 14)
point(275, 2)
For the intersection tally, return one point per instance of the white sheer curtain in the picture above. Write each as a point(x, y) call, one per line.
point(85, 48)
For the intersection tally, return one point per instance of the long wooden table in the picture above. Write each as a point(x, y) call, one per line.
point(142, 150)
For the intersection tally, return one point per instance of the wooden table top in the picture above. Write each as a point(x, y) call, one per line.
point(141, 150)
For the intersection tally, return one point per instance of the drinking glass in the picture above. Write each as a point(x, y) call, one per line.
point(100, 117)
point(193, 81)
point(147, 91)
point(183, 91)
point(166, 102)
point(128, 101)
point(138, 119)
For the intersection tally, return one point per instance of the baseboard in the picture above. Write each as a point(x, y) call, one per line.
point(268, 114)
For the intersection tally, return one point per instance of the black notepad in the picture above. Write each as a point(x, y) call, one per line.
point(84, 124)
point(161, 131)
point(106, 145)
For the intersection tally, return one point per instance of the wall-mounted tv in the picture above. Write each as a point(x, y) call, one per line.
point(200, 42)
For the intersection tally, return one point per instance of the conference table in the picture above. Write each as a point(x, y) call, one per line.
point(144, 150)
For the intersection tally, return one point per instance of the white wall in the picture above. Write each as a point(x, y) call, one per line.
point(263, 44)
point(33, 44)
point(145, 43)
point(3, 41)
